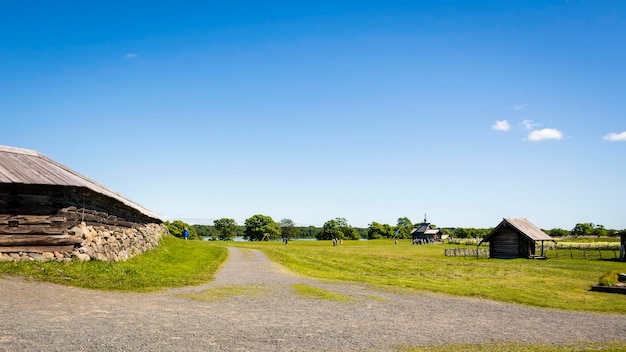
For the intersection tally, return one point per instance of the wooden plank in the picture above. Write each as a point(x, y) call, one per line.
point(25, 220)
point(36, 249)
point(31, 230)
point(38, 240)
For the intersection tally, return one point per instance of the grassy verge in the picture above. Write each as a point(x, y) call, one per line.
point(554, 283)
point(307, 291)
point(174, 263)
point(223, 292)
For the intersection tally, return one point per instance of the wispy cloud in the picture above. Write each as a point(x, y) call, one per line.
point(130, 56)
point(544, 134)
point(501, 125)
point(529, 124)
point(519, 107)
point(615, 137)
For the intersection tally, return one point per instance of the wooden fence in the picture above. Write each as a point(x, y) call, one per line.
point(588, 251)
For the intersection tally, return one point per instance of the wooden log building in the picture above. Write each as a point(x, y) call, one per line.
point(41, 200)
point(426, 231)
point(515, 238)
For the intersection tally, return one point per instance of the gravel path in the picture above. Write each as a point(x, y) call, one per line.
point(42, 316)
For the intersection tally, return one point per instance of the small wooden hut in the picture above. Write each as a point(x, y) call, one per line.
point(41, 200)
point(515, 238)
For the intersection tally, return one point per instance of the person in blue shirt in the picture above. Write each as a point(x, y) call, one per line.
point(186, 233)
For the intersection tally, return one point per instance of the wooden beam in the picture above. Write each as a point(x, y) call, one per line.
point(38, 240)
point(35, 249)
point(31, 230)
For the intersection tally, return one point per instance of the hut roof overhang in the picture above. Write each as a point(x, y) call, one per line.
point(29, 167)
point(523, 227)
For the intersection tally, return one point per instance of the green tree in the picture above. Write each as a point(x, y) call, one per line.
point(261, 228)
point(556, 232)
point(288, 228)
point(204, 230)
point(330, 230)
point(338, 228)
point(226, 228)
point(468, 232)
point(582, 229)
point(176, 228)
point(377, 231)
point(403, 228)
point(310, 232)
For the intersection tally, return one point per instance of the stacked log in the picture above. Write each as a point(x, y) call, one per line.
point(86, 242)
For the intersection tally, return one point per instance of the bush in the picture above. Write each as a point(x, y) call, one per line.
point(610, 278)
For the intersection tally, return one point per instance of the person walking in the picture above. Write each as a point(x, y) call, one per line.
point(186, 233)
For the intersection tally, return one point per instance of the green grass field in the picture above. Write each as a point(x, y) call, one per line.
point(555, 283)
point(174, 263)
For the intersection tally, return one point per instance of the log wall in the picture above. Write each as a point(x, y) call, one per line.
point(504, 244)
point(41, 218)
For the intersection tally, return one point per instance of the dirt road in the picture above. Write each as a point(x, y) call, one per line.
point(41, 316)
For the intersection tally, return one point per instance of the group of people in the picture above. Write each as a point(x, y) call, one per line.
point(423, 241)
point(337, 242)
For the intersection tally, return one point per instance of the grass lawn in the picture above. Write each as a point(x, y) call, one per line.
point(174, 263)
point(553, 283)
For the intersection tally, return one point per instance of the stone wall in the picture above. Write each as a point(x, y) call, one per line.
point(101, 243)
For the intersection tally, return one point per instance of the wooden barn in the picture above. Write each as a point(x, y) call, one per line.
point(41, 200)
point(515, 238)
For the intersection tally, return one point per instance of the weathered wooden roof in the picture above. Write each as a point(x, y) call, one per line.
point(422, 228)
point(24, 166)
point(524, 227)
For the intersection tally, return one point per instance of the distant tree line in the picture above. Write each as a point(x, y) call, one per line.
point(262, 227)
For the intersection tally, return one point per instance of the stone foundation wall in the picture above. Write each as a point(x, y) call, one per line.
point(101, 243)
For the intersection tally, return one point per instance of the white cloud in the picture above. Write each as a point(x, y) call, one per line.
point(529, 124)
point(546, 133)
point(519, 107)
point(615, 137)
point(131, 55)
point(501, 125)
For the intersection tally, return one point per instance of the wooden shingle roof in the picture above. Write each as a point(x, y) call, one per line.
point(24, 166)
point(524, 227)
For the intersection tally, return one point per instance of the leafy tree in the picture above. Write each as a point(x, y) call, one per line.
point(204, 230)
point(582, 229)
point(599, 231)
point(403, 228)
point(261, 227)
point(176, 228)
point(330, 230)
point(338, 228)
point(556, 232)
point(310, 232)
point(288, 228)
point(226, 228)
point(461, 232)
point(377, 231)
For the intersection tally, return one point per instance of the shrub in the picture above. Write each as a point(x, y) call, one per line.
point(609, 279)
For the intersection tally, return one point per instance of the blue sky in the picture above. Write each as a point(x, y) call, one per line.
point(469, 111)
